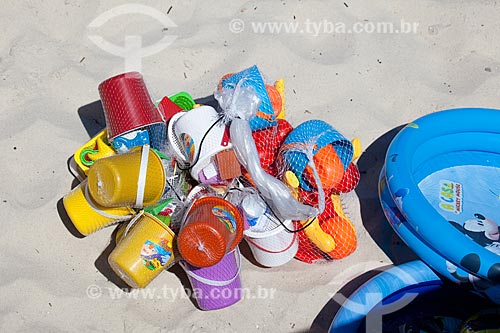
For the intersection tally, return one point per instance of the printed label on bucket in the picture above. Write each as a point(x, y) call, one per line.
point(188, 144)
point(125, 142)
point(156, 255)
point(227, 218)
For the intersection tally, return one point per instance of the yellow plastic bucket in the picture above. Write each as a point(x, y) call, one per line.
point(94, 149)
point(88, 216)
point(136, 179)
point(143, 252)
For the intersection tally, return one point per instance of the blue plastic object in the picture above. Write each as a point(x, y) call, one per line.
point(421, 249)
point(252, 77)
point(410, 279)
point(405, 298)
point(440, 190)
point(318, 134)
point(122, 142)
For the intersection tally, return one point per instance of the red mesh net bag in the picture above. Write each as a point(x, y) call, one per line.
point(318, 162)
point(331, 235)
point(313, 162)
point(131, 114)
point(268, 142)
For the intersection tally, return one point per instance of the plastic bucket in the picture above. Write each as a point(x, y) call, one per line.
point(87, 216)
point(136, 178)
point(94, 149)
point(197, 138)
point(212, 227)
point(143, 252)
point(127, 105)
point(120, 232)
point(275, 246)
point(217, 286)
point(316, 134)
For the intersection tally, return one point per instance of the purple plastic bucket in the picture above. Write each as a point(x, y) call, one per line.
point(217, 286)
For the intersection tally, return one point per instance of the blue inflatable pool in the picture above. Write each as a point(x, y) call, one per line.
point(410, 279)
point(405, 298)
point(440, 189)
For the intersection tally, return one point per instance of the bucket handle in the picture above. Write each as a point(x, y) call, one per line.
point(248, 239)
point(132, 222)
point(212, 282)
point(141, 180)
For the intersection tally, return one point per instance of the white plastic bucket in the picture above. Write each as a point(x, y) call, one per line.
point(192, 129)
point(274, 247)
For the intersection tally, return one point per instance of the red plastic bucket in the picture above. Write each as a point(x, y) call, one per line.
point(127, 104)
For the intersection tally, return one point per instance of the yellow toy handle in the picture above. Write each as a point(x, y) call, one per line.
point(93, 150)
point(280, 86)
point(313, 231)
point(356, 145)
point(317, 236)
point(337, 206)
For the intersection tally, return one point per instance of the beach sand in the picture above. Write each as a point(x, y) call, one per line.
point(364, 84)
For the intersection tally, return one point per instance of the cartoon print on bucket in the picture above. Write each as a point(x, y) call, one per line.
point(188, 144)
point(156, 255)
point(225, 217)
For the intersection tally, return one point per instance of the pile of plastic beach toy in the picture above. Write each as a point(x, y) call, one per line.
point(188, 182)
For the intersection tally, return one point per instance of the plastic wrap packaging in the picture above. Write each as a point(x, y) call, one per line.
point(241, 104)
point(300, 172)
point(264, 115)
point(270, 188)
point(331, 235)
point(281, 188)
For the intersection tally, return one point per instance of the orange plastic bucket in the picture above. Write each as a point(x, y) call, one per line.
point(212, 228)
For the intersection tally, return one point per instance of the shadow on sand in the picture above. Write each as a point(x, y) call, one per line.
point(370, 165)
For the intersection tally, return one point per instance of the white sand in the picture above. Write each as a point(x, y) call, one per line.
point(363, 84)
